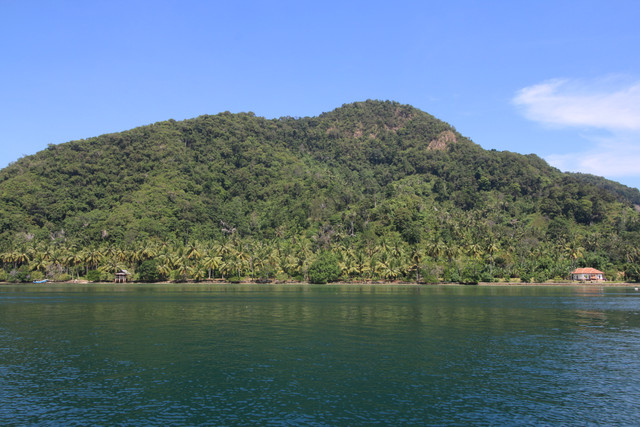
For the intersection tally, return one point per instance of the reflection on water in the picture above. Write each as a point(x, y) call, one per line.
point(318, 355)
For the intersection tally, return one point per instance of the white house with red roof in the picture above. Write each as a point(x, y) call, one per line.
point(587, 274)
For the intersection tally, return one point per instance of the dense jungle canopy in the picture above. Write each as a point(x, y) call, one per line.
point(379, 189)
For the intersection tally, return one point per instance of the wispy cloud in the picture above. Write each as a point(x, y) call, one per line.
point(599, 105)
point(611, 159)
point(566, 102)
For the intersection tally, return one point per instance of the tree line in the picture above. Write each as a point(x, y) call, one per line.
point(309, 260)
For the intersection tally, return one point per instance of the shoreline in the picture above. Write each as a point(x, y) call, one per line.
point(365, 283)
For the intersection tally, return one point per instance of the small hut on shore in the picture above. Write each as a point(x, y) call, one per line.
point(121, 276)
point(587, 275)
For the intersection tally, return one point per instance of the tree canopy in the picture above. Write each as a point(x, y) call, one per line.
point(367, 175)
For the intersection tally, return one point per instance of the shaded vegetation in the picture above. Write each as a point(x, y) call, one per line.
point(389, 191)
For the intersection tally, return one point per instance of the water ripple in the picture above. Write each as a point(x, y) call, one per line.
point(319, 356)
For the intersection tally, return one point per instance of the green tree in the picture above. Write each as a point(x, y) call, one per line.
point(324, 269)
point(148, 271)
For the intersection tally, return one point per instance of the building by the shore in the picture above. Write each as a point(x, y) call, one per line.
point(121, 276)
point(587, 274)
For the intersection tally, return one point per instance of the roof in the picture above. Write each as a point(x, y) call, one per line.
point(587, 270)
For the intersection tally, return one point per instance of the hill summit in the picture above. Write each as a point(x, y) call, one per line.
point(364, 174)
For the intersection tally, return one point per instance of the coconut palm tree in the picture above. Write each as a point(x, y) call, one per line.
point(387, 270)
point(436, 249)
point(574, 252)
point(21, 256)
point(39, 263)
point(93, 257)
point(194, 251)
point(75, 258)
point(164, 268)
point(362, 265)
point(491, 249)
point(211, 263)
point(197, 272)
point(417, 255)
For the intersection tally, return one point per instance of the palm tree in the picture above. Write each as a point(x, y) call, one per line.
point(211, 263)
point(233, 267)
point(273, 261)
point(147, 251)
point(93, 257)
point(574, 252)
point(6, 257)
point(292, 265)
point(451, 251)
point(74, 259)
point(111, 265)
point(397, 250)
point(436, 249)
point(416, 259)
point(58, 260)
point(164, 268)
point(20, 257)
point(197, 272)
point(361, 264)
point(181, 268)
point(194, 251)
point(475, 251)
point(491, 249)
point(39, 263)
point(387, 270)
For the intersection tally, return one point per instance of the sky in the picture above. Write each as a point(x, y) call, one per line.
point(560, 79)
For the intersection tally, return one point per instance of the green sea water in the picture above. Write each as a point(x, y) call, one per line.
point(318, 355)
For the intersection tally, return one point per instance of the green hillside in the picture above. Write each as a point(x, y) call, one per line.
point(382, 190)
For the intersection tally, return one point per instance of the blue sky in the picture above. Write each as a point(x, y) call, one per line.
point(560, 79)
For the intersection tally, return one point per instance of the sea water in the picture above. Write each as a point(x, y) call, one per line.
point(318, 355)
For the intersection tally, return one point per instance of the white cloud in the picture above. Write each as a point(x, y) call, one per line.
point(602, 160)
point(604, 106)
point(578, 103)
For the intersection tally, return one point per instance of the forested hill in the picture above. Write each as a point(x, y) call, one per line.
point(365, 173)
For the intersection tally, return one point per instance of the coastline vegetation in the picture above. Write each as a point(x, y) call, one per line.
point(370, 191)
point(298, 259)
